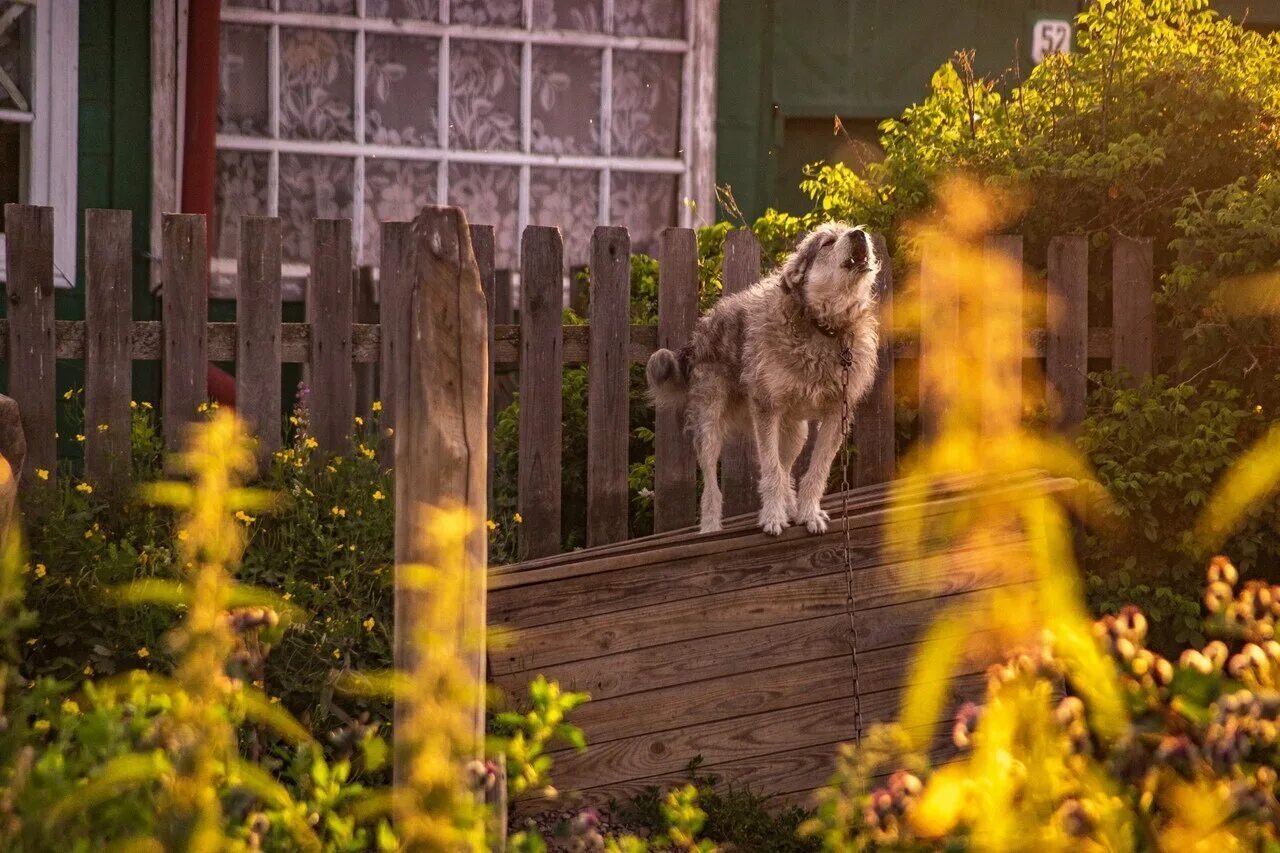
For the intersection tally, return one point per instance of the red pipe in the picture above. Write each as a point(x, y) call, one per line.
point(199, 157)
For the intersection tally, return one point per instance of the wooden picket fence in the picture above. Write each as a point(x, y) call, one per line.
point(336, 347)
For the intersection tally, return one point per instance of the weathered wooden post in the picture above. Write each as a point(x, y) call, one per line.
point(441, 451)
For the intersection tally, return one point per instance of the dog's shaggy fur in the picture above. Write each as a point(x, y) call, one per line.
point(768, 361)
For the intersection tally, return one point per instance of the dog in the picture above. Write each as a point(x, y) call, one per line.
point(800, 345)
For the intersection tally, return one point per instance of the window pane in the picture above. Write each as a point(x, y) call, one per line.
point(395, 190)
point(566, 100)
point(661, 18)
point(250, 4)
point(487, 13)
point(401, 77)
point(582, 15)
point(484, 99)
point(310, 188)
point(645, 204)
point(316, 84)
point(11, 63)
point(243, 100)
point(418, 10)
point(240, 189)
point(646, 104)
point(569, 198)
point(327, 7)
point(488, 194)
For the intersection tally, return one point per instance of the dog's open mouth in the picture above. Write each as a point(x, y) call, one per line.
point(851, 265)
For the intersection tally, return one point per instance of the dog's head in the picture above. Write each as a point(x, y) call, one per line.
point(834, 269)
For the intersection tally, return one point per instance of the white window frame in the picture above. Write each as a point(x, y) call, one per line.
point(695, 166)
point(52, 122)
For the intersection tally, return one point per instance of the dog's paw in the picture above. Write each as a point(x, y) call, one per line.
point(814, 518)
point(773, 520)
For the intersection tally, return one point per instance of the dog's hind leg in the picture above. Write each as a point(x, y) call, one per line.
point(708, 439)
point(775, 481)
point(814, 482)
point(791, 438)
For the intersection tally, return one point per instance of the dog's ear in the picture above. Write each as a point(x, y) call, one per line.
point(796, 267)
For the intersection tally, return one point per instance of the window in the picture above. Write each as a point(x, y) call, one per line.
point(555, 112)
point(39, 49)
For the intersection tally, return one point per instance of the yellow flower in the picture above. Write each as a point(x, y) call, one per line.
point(146, 405)
point(377, 405)
point(244, 517)
point(331, 469)
point(359, 421)
point(378, 495)
point(79, 436)
point(144, 652)
point(1257, 410)
point(133, 404)
point(203, 407)
point(88, 534)
point(518, 518)
point(336, 654)
point(41, 570)
point(491, 524)
point(69, 706)
point(310, 443)
point(338, 511)
point(367, 452)
point(41, 725)
point(103, 427)
point(287, 596)
point(183, 535)
point(68, 394)
point(42, 473)
point(84, 489)
point(88, 669)
point(368, 624)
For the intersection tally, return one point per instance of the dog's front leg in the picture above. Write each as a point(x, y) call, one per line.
point(775, 481)
point(814, 482)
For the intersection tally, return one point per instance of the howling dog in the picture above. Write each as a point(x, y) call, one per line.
point(801, 345)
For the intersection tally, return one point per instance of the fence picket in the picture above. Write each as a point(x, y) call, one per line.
point(482, 247)
point(108, 367)
point(675, 485)
point(332, 400)
point(873, 425)
point(1067, 339)
point(395, 284)
point(1002, 316)
point(739, 471)
point(608, 386)
point(1132, 309)
point(541, 364)
point(185, 312)
point(32, 342)
point(258, 345)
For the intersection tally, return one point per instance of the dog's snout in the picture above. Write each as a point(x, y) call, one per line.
point(859, 246)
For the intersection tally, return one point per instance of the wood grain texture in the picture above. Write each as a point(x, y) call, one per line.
point(258, 337)
point(1001, 387)
point(1067, 338)
point(364, 309)
point(541, 366)
point(108, 365)
point(441, 450)
point(184, 313)
point(608, 387)
point(675, 482)
point(395, 287)
point(482, 246)
point(332, 401)
point(873, 424)
point(32, 345)
point(739, 470)
point(1133, 312)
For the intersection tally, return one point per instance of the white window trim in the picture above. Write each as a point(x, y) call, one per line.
point(696, 165)
point(53, 126)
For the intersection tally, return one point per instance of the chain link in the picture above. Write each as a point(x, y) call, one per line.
point(850, 605)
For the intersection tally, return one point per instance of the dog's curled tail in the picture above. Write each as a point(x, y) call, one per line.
point(668, 377)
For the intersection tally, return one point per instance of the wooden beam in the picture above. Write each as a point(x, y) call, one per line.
point(108, 367)
point(185, 313)
point(258, 347)
point(609, 387)
point(675, 484)
point(32, 346)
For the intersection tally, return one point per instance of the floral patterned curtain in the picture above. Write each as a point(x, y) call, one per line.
point(400, 78)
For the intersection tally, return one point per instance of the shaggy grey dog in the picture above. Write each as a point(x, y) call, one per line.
point(800, 345)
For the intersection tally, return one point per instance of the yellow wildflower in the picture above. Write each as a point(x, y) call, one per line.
point(79, 436)
point(518, 518)
point(146, 405)
point(68, 394)
point(69, 706)
point(41, 726)
point(144, 652)
point(88, 669)
point(368, 624)
point(203, 407)
point(244, 517)
point(337, 654)
point(133, 404)
point(41, 570)
point(359, 421)
point(103, 427)
point(84, 489)
point(377, 405)
point(287, 596)
point(310, 443)
point(338, 511)
point(491, 524)
point(183, 535)
point(331, 469)
point(378, 495)
point(42, 473)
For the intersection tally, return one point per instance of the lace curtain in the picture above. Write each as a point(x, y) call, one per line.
point(400, 79)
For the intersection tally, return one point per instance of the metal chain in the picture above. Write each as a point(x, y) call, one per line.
point(850, 605)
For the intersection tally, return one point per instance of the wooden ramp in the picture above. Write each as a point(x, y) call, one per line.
point(735, 646)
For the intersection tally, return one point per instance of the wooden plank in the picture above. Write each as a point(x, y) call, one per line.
point(608, 387)
point(1001, 387)
point(482, 246)
point(184, 310)
point(541, 306)
point(332, 402)
point(674, 467)
point(873, 425)
point(1067, 342)
point(888, 586)
point(1133, 313)
point(258, 344)
point(739, 471)
point(395, 285)
point(108, 369)
point(364, 309)
point(32, 343)
point(939, 338)
point(441, 447)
